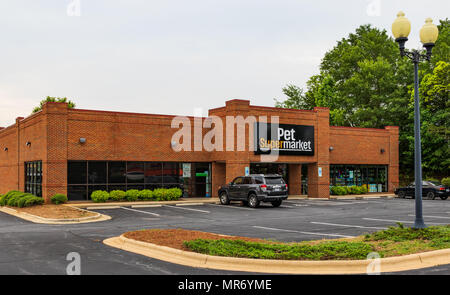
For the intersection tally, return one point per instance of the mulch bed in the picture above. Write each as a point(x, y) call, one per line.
point(55, 211)
point(174, 238)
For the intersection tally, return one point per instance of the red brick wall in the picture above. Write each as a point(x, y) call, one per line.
point(55, 132)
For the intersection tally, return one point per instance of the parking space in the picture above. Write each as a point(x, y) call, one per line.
point(295, 220)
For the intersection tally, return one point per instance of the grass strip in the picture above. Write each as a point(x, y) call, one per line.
point(393, 241)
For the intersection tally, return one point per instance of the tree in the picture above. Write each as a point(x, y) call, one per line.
point(435, 117)
point(366, 83)
point(70, 103)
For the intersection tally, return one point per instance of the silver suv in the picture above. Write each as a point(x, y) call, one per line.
point(255, 188)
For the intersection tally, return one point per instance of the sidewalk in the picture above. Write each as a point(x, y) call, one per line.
point(199, 201)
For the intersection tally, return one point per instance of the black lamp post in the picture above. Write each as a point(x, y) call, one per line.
point(428, 36)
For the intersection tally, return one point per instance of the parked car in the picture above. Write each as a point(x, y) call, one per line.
point(254, 189)
point(430, 190)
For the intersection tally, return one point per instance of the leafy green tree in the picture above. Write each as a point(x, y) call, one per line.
point(70, 103)
point(366, 83)
point(435, 117)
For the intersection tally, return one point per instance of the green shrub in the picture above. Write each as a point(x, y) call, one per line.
point(432, 179)
point(145, 195)
point(338, 190)
point(117, 195)
point(174, 193)
point(99, 196)
point(320, 251)
point(167, 194)
point(348, 190)
point(354, 190)
point(15, 197)
point(22, 201)
point(7, 196)
point(132, 195)
point(159, 194)
point(446, 181)
point(59, 199)
point(33, 200)
point(363, 189)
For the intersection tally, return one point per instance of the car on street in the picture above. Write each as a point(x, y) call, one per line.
point(254, 189)
point(430, 190)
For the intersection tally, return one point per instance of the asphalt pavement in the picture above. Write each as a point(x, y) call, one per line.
point(29, 248)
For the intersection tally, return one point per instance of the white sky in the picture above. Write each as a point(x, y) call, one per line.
point(175, 56)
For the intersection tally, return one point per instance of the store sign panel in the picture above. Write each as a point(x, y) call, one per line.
point(286, 139)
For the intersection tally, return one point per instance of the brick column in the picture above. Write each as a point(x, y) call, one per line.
point(218, 177)
point(55, 165)
point(319, 186)
point(234, 169)
point(295, 179)
point(20, 165)
point(393, 169)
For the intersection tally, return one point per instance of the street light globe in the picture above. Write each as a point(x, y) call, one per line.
point(401, 27)
point(429, 32)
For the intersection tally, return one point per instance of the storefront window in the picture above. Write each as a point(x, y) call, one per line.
point(135, 172)
point(270, 168)
point(33, 178)
point(84, 177)
point(373, 176)
point(96, 172)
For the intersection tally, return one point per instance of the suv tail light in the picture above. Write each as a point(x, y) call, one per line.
point(263, 187)
point(442, 188)
point(286, 186)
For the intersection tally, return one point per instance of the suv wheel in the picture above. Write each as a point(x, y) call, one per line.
point(253, 201)
point(431, 196)
point(276, 203)
point(401, 194)
point(444, 197)
point(224, 200)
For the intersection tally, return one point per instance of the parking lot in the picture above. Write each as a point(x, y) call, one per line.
point(33, 248)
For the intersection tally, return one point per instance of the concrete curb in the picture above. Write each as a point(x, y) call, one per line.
point(198, 201)
point(42, 220)
point(114, 205)
point(362, 197)
point(391, 264)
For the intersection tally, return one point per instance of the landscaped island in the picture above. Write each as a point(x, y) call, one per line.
point(394, 241)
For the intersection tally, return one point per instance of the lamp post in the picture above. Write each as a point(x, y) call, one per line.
point(428, 36)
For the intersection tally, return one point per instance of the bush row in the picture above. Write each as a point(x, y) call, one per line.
point(349, 190)
point(20, 199)
point(159, 194)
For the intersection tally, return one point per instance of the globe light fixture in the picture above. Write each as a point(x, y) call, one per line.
point(401, 28)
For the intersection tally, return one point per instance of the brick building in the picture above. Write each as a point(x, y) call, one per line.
point(75, 151)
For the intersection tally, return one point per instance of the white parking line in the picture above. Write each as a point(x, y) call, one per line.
point(231, 206)
point(347, 225)
point(140, 211)
point(182, 208)
point(303, 232)
point(103, 207)
point(285, 206)
point(145, 206)
point(430, 216)
point(189, 204)
point(401, 221)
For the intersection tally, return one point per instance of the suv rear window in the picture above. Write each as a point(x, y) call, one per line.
point(274, 180)
point(259, 180)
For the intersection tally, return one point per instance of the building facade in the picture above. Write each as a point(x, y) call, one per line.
point(74, 151)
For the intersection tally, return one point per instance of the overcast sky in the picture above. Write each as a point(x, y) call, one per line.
point(175, 56)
